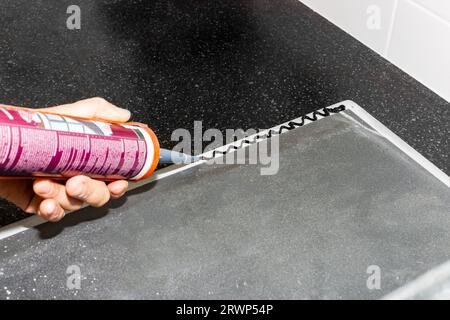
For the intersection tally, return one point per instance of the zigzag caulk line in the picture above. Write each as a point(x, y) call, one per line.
point(314, 116)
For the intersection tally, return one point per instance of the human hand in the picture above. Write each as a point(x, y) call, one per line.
point(51, 199)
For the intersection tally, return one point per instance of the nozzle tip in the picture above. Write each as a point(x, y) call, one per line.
point(168, 156)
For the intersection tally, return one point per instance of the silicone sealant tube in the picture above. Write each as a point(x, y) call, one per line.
point(41, 144)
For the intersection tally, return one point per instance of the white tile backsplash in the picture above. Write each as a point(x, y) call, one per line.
point(420, 45)
point(438, 7)
point(367, 20)
point(413, 34)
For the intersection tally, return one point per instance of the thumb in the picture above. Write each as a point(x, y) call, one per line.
point(93, 108)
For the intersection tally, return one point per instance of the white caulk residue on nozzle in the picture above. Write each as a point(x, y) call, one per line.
point(168, 156)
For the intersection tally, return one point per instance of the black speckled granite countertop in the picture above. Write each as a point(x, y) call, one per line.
point(231, 64)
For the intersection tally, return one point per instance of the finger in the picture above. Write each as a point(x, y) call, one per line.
point(118, 188)
point(48, 189)
point(95, 108)
point(49, 209)
point(19, 192)
point(93, 192)
point(33, 206)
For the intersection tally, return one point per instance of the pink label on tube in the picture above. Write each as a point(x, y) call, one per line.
point(40, 144)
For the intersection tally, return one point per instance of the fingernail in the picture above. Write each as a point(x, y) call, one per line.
point(126, 113)
point(44, 187)
point(50, 209)
point(117, 190)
